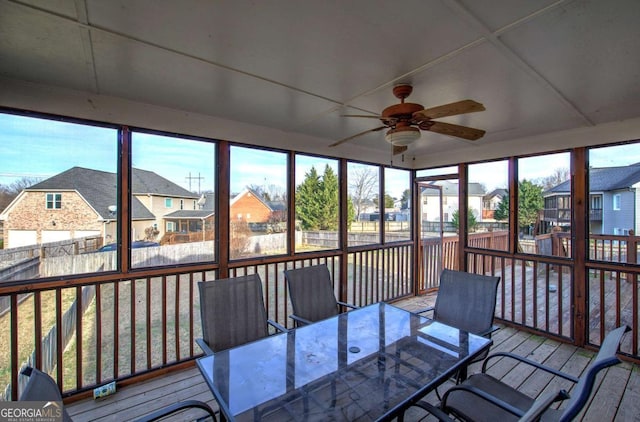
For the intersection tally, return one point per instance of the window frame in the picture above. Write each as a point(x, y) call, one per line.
point(56, 200)
point(616, 204)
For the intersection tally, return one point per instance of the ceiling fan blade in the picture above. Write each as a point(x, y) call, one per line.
point(452, 109)
point(368, 116)
point(399, 149)
point(341, 141)
point(464, 132)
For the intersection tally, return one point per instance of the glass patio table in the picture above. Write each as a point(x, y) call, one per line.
point(367, 364)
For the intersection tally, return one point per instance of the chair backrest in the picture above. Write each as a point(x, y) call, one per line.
point(41, 387)
point(606, 357)
point(232, 311)
point(311, 292)
point(466, 300)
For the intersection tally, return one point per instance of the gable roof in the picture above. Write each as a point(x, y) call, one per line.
point(602, 179)
point(147, 182)
point(99, 189)
point(255, 194)
point(497, 192)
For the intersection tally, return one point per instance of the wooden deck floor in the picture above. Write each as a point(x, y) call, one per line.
point(617, 397)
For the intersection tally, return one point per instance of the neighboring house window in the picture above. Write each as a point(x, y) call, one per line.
point(182, 204)
point(54, 201)
point(168, 202)
point(248, 216)
point(616, 201)
point(239, 216)
point(596, 202)
point(620, 232)
point(170, 226)
point(194, 205)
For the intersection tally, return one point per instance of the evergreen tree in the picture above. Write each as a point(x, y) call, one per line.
point(329, 200)
point(472, 223)
point(502, 212)
point(530, 202)
point(404, 200)
point(308, 205)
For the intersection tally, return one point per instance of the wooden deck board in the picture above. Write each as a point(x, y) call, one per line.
point(617, 396)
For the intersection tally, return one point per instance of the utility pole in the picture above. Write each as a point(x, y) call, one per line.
point(198, 178)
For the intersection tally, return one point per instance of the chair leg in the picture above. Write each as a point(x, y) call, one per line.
point(461, 375)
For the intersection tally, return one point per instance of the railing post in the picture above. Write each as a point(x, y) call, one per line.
point(580, 207)
point(632, 245)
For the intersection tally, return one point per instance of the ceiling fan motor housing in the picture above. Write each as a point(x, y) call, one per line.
point(402, 135)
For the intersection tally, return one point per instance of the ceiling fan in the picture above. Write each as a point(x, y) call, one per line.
point(406, 120)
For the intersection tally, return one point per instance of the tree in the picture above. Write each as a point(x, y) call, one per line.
point(530, 202)
point(559, 175)
point(329, 199)
point(472, 223)
point(10, 191)
point(307, 201)
point(405, 199)
point(388, 201)
point(363, 184)
point(502, 212)
point(317, 201)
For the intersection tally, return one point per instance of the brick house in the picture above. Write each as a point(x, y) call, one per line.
point(250, 207)
point(82, 202)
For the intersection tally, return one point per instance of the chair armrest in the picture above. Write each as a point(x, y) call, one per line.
point(529, 362)
point(176, 407)
point(541, 405)
point(347, 305)
point(434, 411)
point(277, 326)
point(422, 311)
point(484, 395)
point(204, 346)
point(490, 330)
point(299, 320)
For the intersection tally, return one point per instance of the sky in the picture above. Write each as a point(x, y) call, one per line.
point(53, 147)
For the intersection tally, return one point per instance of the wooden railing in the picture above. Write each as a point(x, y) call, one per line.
point(131, 326)
point(143, 322)
point(537, 292)
point(534, 292)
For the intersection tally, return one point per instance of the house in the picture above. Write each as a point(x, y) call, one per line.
point(278, 77)
point(82, 202)
point(250, 206)
point(188, 224)
point(490, 203)
point(613, 201)
point(431, 203)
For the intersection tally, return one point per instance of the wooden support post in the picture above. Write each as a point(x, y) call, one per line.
point(580, 229)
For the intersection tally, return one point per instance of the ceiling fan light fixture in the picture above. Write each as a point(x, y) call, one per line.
point(402, 136)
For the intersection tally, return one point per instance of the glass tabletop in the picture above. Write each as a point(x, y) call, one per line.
point(366, 364)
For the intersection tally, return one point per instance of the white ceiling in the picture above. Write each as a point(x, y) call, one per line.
point(550, 73)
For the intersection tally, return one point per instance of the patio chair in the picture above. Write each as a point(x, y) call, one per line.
point(41, 387)
point(466, 301)
point(232, 313)
point(537, 409)
point(311, 294)
point(484, 398)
